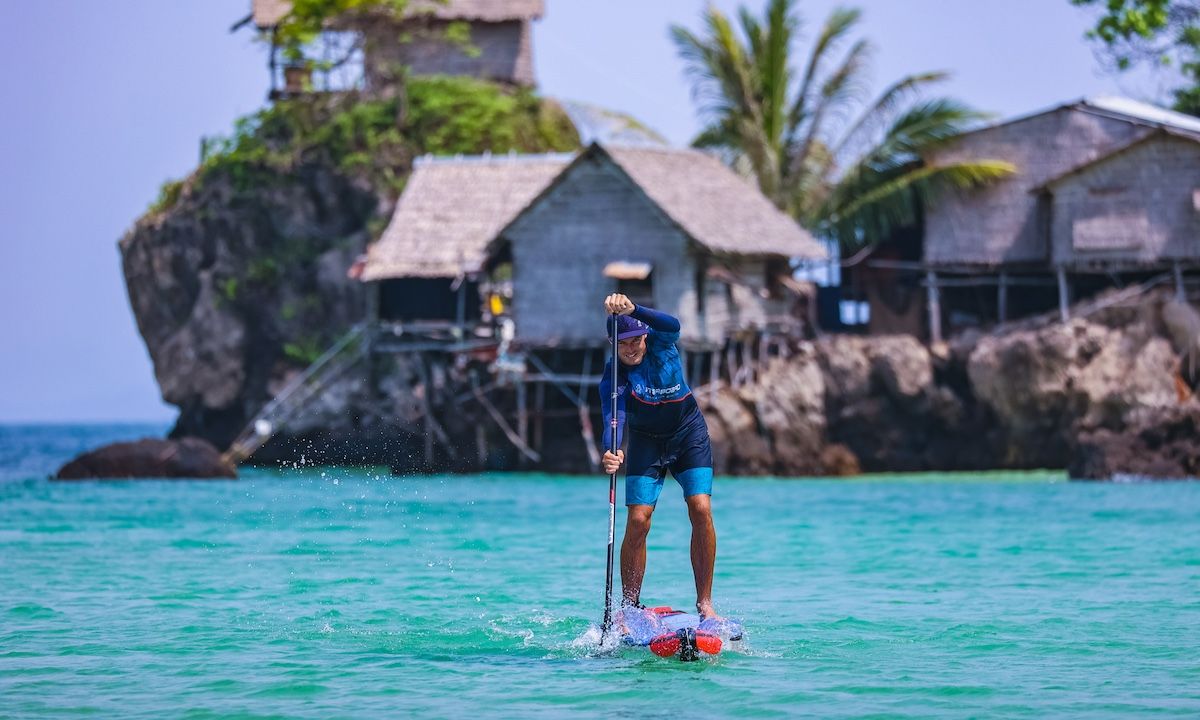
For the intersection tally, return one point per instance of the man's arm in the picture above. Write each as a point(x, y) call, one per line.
point(665, 327)
point(656, 319)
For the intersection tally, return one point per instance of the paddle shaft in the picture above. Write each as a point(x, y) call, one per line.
point(612, 490)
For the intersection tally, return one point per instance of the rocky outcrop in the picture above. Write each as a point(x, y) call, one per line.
point(1164, 445)
point(1043, 385)
point(231, 295)
point(149, 458)
point(1105, 395)
point(773, 426)
point(237, 277)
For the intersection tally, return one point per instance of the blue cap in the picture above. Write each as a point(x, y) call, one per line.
point(627, 327)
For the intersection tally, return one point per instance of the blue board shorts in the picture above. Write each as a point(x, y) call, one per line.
point(687, 454)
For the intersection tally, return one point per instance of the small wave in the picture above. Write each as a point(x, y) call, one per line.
point(33, 611)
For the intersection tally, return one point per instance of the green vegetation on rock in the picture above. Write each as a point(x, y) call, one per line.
point(452, 115)
point(278, 209)
point(360, 137)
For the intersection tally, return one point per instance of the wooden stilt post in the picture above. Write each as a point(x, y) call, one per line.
point(935, 307)
point(481, 448)
point(539, 416)
point(1180, 291)
point(504, 427)
point(522, 416)
point(714, 374)
point(1064, 294)
point(1002, 298)
point(747, 362)
point(731, 363)
point(585, 414)
point(460, 314)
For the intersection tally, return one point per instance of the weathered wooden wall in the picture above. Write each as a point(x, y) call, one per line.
point(505, 53)
point(592, 217)
point(595, 216)
point(999, 224)
point(1134, 207)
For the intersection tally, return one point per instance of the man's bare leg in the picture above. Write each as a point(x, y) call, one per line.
point(704, 550)
point(633, 552)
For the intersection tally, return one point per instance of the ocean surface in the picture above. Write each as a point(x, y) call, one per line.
point(347, 593)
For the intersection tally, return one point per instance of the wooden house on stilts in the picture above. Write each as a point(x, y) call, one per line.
point(509, 257)
point(1106, 193)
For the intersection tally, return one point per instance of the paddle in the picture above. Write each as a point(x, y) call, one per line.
point(612, 491)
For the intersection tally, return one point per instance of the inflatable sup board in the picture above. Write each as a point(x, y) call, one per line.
point(674, 633)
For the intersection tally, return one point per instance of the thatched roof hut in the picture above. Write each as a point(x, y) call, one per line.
point(453, 208)
point(676, 227)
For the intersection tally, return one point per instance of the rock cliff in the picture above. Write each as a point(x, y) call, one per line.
point(1105, 395)
point(237, 275)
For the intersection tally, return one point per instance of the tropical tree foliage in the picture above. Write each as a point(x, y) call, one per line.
point(309, 18)
point(847, 170)
point(1165, 32)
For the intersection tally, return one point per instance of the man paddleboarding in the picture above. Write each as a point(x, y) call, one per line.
point(667, 432)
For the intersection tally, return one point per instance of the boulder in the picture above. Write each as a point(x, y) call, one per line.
point(1165, 446)
point(150, 458)
point(788, 403)
point(1043, 383)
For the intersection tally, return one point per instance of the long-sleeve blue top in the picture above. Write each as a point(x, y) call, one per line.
point(653, 396)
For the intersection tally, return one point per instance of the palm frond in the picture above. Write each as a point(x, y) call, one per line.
point(775, 76)
point(837, 26)
point(885, 106)
point(922, 127)
point(839, 89)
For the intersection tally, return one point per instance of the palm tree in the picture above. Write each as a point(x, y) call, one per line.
point(847, 172)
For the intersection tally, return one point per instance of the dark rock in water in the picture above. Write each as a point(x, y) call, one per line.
point(839, 461)
point(150, 458)
point(1164, 446)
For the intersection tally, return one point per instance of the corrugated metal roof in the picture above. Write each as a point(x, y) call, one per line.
point(268, 13)
point(1144, 112)
point(453, 208)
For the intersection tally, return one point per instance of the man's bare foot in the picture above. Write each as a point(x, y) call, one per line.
point(706, 611)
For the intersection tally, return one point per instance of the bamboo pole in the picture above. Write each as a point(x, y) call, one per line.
point(1002, 298)
point(505, 428)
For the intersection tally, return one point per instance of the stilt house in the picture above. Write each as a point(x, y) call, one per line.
point(1107, 190)
point(536, 242)
point(499, 45)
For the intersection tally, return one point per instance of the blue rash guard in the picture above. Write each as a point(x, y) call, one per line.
point(666, 428)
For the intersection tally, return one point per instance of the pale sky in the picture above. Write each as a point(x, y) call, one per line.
point(102, 102)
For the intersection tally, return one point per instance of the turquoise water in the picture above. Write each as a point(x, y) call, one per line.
point(317, 593)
